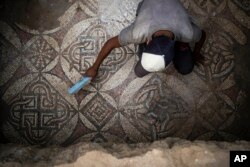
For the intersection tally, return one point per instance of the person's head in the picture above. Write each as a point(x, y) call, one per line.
point(156, 56)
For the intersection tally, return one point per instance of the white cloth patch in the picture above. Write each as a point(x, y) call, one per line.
point(152, 62)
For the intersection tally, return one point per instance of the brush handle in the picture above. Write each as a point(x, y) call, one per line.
point(79, 85)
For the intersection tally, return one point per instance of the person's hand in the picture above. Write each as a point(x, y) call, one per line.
point(91, 72)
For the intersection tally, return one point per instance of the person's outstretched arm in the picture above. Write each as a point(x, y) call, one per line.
point(105, 51)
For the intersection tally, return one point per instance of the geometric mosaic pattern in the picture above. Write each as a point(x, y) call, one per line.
point(37, 67)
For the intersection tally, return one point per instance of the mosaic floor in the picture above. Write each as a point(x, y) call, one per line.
point(37, 66)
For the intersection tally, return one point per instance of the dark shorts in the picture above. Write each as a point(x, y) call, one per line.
point(183, 59)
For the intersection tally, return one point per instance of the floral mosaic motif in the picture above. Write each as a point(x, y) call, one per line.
point(40, 54)
point(118, 106)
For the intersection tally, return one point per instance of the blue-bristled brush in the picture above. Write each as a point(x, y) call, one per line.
point(79, 85)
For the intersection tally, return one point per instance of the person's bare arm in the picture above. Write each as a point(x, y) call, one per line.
point(105, 51)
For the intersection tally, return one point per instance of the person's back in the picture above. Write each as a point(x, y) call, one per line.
point(155, 15)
